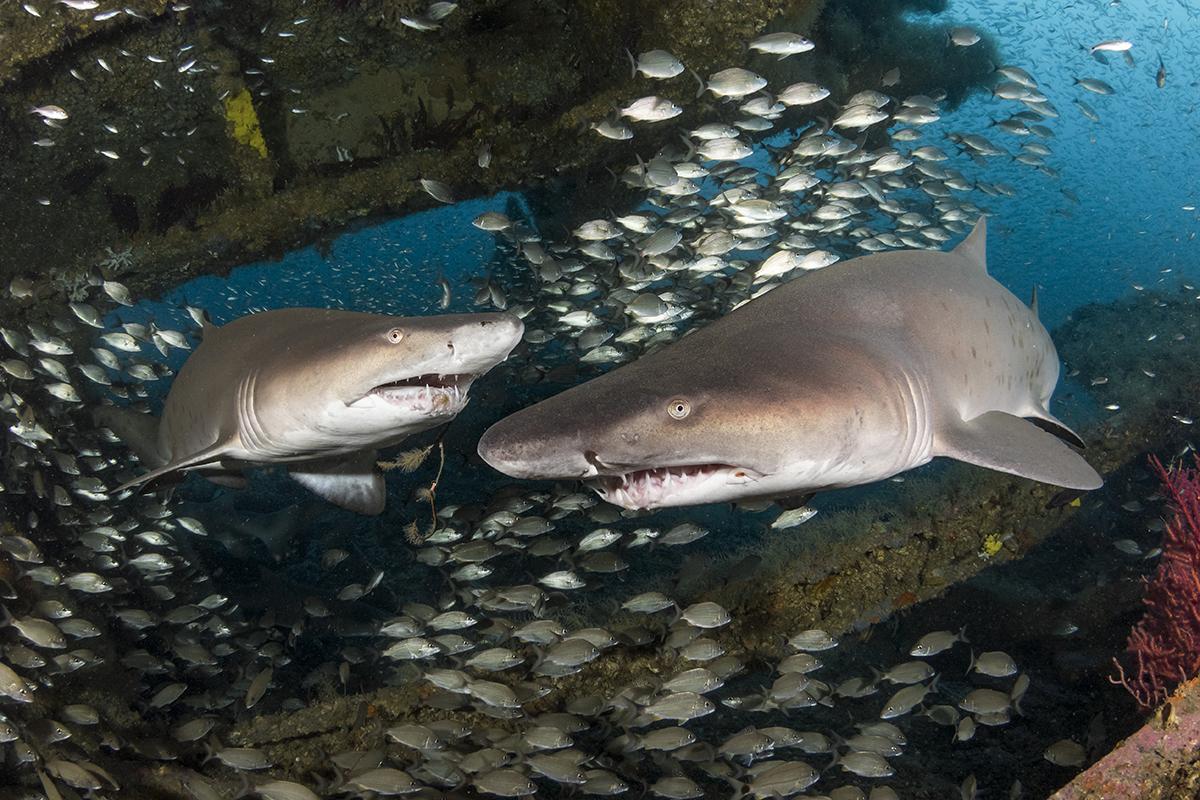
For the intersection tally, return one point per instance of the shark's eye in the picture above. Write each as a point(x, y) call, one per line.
point(679, 408)
point(395, 335)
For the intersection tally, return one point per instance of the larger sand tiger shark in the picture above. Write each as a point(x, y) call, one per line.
point(843, 377)
point(317, 389)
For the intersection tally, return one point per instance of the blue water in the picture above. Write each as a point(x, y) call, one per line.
point(1134, 172)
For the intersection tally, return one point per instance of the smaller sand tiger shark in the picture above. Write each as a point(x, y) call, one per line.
point(317, 389)
point(843, 377)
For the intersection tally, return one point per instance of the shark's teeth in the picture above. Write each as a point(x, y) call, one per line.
point(425, 398)
point(436, 380)
point(650, 488)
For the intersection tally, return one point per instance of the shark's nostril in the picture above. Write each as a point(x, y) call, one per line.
point(591, 457)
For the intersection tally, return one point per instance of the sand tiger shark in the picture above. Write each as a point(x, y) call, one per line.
point(317, 389)
point(843, 377)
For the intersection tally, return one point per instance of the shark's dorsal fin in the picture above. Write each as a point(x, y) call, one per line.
point(1033, 301)
point(974, 248)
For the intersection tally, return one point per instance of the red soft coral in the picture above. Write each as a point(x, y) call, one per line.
point(1165, 644)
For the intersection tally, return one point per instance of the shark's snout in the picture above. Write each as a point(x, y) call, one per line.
point(517, 449)
point(485, 341)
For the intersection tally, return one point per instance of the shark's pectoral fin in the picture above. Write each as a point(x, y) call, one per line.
point(1014, 445)
point(208, 455)
point(1051, 424)
point(353, 482)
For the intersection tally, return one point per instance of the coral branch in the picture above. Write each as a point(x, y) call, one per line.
point(1164, 646)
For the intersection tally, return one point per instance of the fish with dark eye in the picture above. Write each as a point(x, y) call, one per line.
point(13, 686)
point(658, 64)
point(735, 82)
point(782, 44)
point(38, 632)
point(906, 699)
point(936, 642)
point(651, 109)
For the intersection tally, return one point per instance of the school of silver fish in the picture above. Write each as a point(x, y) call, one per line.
point(108, 576)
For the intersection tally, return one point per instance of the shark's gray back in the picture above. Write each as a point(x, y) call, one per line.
point(936, 315)
point(978, 346)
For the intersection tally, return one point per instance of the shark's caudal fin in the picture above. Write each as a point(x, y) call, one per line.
point(138, 431)
point(354, 482)
point(974, 247)
point(276, 530)
point(1014, 445)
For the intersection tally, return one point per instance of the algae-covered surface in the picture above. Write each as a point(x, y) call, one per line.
point(261, 126)
point(1158, 762)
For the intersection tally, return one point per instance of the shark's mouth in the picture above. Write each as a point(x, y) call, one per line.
point(658, 487)
point(433, 393)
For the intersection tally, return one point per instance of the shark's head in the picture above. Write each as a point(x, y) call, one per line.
point(351, 381)
point(675, 429)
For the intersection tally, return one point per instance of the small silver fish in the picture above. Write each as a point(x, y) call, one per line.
point(814, 641)
point(993, 663)
point(258, 687)
point(1066, 753)
point(1095, 86)
point(906, 699)
point(51, 112)
point(782, 44)
point(1111, 46)
point(735, 82)
point(13, 686)
point(437, 190)
point(936, 642)
point(658, 64)
point(963, 36)
point(706, 615)
point(651, 109)
point(118, 292)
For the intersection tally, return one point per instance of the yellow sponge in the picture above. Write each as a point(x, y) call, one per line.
point(239, 111)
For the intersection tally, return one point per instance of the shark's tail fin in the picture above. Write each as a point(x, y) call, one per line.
point(138, 431)
point(276, 530)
